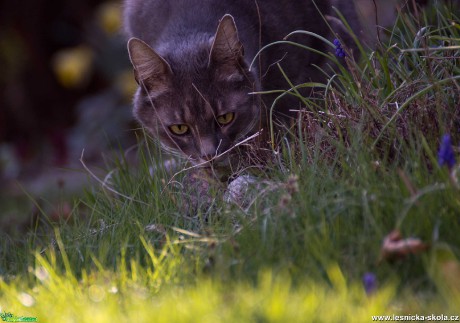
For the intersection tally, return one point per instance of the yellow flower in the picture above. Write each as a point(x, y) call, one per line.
point(72, 66)
point(110, 17)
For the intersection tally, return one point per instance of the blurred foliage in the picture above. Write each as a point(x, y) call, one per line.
point(63, 56)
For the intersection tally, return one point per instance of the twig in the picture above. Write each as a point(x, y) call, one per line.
point(377, 22)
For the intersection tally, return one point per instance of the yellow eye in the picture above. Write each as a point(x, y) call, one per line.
point(179, 129)
point(226, 118)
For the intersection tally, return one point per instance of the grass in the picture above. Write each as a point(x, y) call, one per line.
point(364, 164)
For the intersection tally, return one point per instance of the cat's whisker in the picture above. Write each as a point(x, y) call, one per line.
point(219, 155)
point(104, 182)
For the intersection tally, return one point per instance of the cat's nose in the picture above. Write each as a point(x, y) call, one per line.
point(208, 149)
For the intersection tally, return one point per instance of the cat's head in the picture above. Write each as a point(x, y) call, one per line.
point(194, 99)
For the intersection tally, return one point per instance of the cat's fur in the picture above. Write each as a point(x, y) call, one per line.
point(191, 59)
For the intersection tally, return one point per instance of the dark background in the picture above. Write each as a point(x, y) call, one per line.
point(65, 82)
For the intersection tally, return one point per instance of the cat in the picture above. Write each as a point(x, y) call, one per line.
point(192, 60)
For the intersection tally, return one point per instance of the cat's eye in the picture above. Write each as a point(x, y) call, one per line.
point(179, 129)
point(226, 118)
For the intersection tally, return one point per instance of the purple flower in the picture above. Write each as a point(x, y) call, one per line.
point(339, 52)
point(370, 283)
point(446, 152)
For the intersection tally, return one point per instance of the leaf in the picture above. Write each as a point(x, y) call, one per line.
point(395, 247)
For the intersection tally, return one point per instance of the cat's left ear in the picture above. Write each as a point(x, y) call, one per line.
point(227, 50)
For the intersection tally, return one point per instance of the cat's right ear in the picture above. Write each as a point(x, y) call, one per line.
point(150, 68)
point(227, 51)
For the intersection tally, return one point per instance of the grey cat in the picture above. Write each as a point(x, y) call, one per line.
point(192, 59)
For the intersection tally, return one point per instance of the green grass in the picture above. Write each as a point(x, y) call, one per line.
point(364, 162)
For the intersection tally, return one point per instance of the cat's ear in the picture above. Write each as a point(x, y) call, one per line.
point(226, 50)
point(149, 67)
